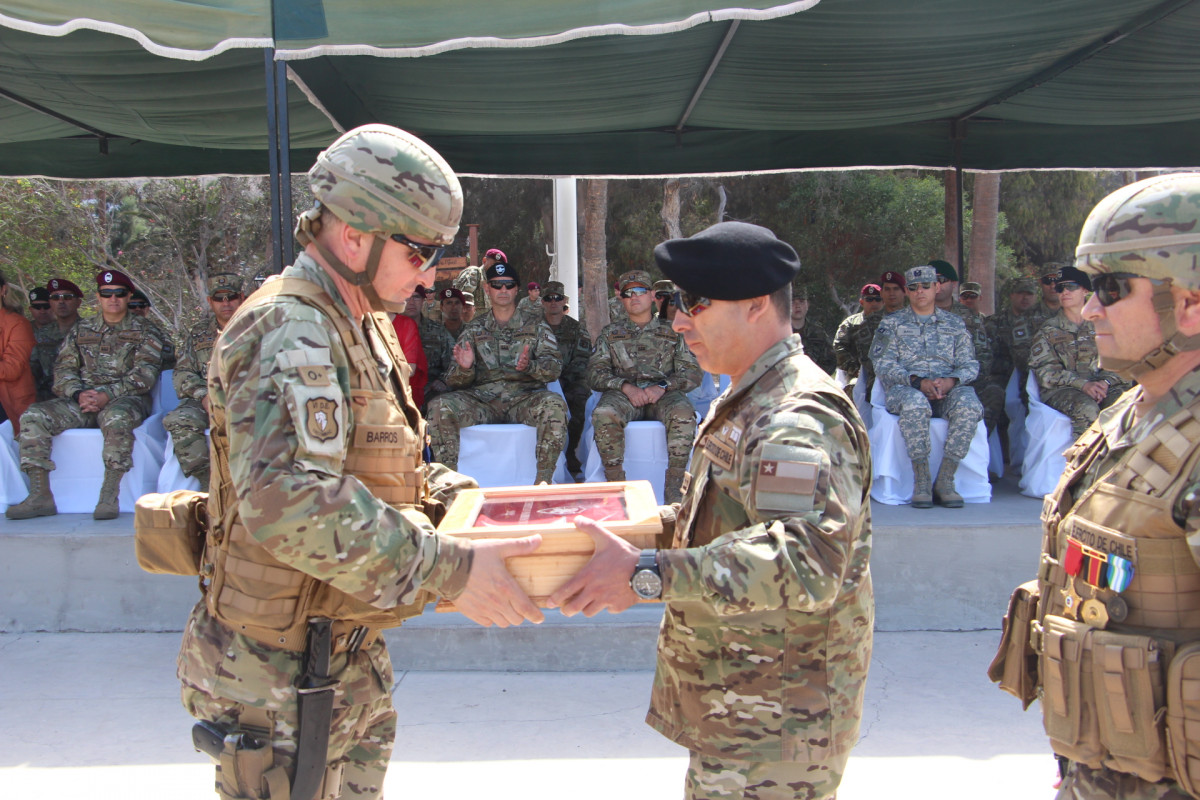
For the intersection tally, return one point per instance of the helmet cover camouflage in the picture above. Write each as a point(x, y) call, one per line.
point(380, 179)
point(1150, 229)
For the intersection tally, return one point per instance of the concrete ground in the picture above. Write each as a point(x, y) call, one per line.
point(98, 716)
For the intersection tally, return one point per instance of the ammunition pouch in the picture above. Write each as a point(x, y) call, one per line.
point(1183, 717)
point(1015, 667)
point(169, 532)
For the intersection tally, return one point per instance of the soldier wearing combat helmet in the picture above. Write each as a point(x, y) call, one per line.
point(323, 510)
point(1109, 636)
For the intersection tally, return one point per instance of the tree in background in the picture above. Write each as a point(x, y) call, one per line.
point(1045, 211)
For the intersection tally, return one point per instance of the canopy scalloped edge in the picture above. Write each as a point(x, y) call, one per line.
point(485, 42)
point(183, 54)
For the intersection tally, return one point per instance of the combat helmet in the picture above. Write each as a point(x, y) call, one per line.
point(381, 180)
point(1149, 229)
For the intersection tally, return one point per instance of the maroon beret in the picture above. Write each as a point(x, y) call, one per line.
point(112, 277)
point(63, 285)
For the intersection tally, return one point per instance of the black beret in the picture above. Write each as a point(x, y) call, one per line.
point(39, 294)
point(1073, 274)
point(729, 261)
point(501, 270)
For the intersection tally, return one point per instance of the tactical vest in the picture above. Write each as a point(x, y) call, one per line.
point(1119, 653)
point(248, 589)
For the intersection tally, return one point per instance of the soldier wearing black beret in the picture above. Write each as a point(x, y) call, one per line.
point(773, 535)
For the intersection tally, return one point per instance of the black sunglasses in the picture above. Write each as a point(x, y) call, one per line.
point(114, 292)
point(689, 304)
point(224, 297)
point(138, 305)
point(40, 306)
point(922, 285)
point(1049, 280)
point(873, 299)
point(1113, 287)
point(62, 297)
point(502, 284)
point(635, 291)
point(552, 298)
point(429, 253)
point(1066, 286)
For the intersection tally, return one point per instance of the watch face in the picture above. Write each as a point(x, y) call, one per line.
point(646, 584)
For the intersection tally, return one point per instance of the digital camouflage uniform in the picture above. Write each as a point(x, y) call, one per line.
point(1063, 357)
point(291, 434)
point(766, 636)
point(187, 421)
point(123, 362)
point(818, 346)
point(575, 347)
point(935, 346)
point(649, 355)
point(990, 393)
point(438, 344)
point(492, 390)
point(47, 340)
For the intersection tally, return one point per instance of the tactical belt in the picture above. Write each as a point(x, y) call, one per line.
point(315, 690)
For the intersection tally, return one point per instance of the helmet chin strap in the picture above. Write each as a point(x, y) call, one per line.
point(1173, 342)
point(307, 228)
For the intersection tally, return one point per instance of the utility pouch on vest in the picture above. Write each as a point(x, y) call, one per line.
point(1066, 671)
point(1183, 717)
point(1015, 667)
point(246, 771)
point(1131, 702)
point(169, 531)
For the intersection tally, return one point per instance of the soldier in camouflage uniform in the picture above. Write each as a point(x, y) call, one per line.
point(990, 394)
point(188, 421)
point(139, 304)
point(452, 302)
point(65, 298)
point(891, 288)
point(925, 360)
point(103, 376)
point(767, 631)
point(870, 299)
point(645, 372)
point(1114, 614)
point(46, 338)
point(817, 343)
point(323, 498)
point(436, 341)
point(502, 363)
point(1065, 361)
point(575, 347)
point(471, 279)
point(531, 303)
point(1012, 332)
point(1048, 276)
point(969, 294)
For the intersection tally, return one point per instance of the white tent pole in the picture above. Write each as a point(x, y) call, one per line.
point(566, 241)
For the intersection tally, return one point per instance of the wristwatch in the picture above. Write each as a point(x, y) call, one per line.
point(646, 581)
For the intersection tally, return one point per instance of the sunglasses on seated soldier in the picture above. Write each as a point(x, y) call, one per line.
point(1049, 280)
point(223, 297)
point(689, 304)
point(40, 306)
point(1113, 287)
point(634, 291)
point(553, 298)
point(114, 292)
point(873, 299)
point(429, 253)
point(64, 296)
point(502, 284)
point(1066, 286)
point(136, 305)
point(922, 285)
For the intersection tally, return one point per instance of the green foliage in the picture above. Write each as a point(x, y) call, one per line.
point(513, 215)
point(1045, 211)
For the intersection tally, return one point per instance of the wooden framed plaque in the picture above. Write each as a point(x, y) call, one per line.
point(627, 508)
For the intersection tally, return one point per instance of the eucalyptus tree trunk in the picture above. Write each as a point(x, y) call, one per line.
point(594, 256)
point(985, 209)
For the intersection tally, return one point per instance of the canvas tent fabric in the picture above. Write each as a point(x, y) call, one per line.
point(611, 87)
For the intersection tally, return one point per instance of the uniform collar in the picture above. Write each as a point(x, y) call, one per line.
point(306, 267)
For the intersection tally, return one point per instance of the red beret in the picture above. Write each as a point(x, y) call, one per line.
point(112, 277)
point(870, 290)
point(892, 277)
point(63, 285)
point(450, 293)
point(496, 254)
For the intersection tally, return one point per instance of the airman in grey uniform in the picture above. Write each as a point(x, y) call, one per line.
point(103, 376)
point(188, 421)
point(502, 363)
point(925, 359)
point(575, 346)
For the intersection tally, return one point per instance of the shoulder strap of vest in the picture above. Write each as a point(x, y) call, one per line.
point(1154, 462)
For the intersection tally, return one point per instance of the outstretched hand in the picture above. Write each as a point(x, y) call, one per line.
point(604, 583)
point(464, 355)
point(492, 596)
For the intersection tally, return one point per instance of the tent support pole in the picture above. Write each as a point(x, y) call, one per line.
point(958, 190)
point(284, 143)
point(273, 161)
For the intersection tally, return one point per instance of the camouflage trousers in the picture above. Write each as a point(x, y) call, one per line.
point(116, 421)
point(577, 395)
point(615, 411)
point(541, 409)
point(960, 408)
point(711, 778)
point(1079, 408)
point(186, 424)
point(991, 397)
point(1084, 783)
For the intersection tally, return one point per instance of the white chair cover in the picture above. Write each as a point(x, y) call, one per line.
point(1018, 437)
point(503, 455)
point(13, 485)
point(162, 396)
point(1049, 435)
point(645, 455)
point(893, 478)
point(79, 467)
point(171, 476)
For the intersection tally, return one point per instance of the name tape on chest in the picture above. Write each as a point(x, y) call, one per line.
point(720, 446)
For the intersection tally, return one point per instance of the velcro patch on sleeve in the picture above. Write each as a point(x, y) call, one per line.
point(789, 478)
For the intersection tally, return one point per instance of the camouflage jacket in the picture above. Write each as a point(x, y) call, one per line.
point(438, 344)
point(935, 346)
point(497, 348)
point(1064, 354)
point(470, 281)
point(818, 346)
point(644, 356)
point(530, 307)
point(981, 336)
point(766, 636)
point(1012, 334)
point(119, 360)
point(845, 348)
point(47, 340)
point(191, 369)
point(166, 342)
point(575, 347)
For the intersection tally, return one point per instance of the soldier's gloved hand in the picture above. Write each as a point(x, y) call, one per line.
point(464, 355)
point(523, 359)
point(492, 596)
point(604, 583)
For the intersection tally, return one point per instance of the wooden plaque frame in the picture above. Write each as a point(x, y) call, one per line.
point(548, 510)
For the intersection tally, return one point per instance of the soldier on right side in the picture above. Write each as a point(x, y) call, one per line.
point(1109, 635)
point(1064, 358)
point(575, 346)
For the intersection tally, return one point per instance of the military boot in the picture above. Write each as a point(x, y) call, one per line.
point(616, 473)
point(673, 485)
point(922, 494)
point(108, 507)
point(943, 488)
point(40, 502)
